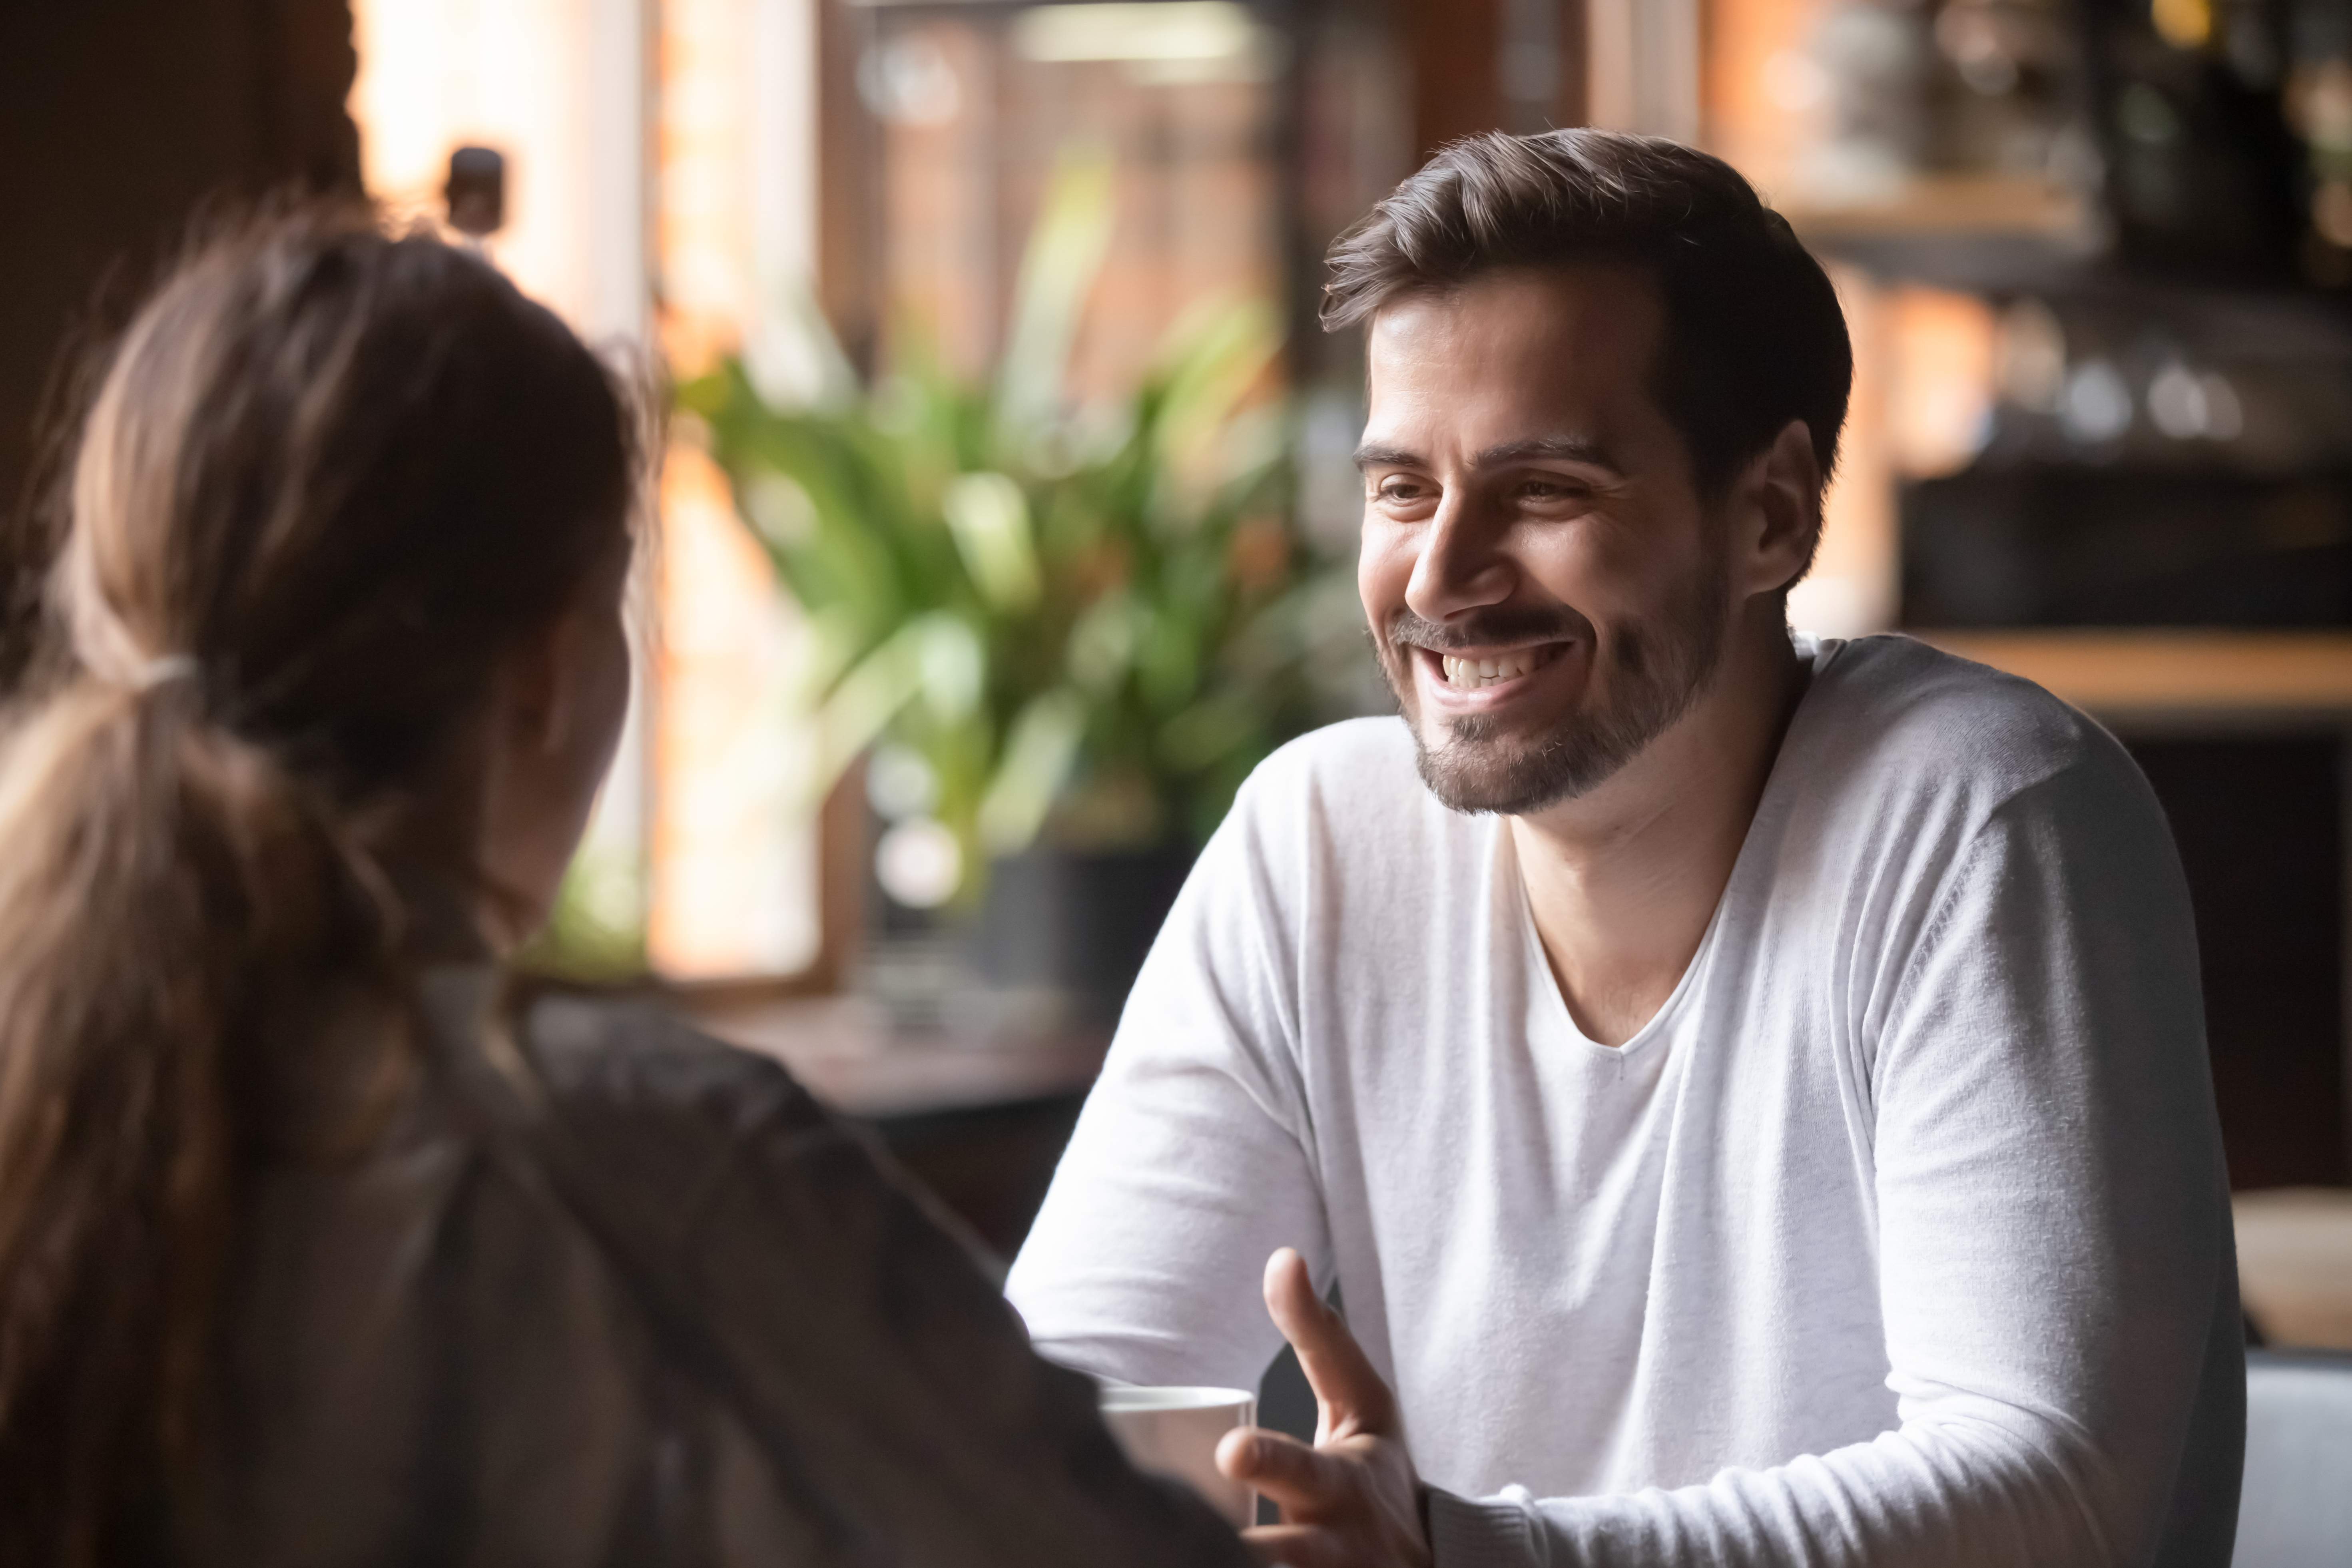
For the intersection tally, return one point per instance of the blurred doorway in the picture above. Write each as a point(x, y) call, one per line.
point(659, 159)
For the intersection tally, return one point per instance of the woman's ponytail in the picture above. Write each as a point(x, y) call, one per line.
point(160, 874)
point(329, 478)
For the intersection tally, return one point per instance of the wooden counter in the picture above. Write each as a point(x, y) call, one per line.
point(2177, 678)
point(845, 1054)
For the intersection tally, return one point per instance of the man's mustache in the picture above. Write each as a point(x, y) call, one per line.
point(1487, 629)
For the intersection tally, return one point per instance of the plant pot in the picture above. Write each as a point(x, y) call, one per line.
point(1076, 923)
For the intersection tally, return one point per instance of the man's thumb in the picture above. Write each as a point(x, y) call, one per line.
point(1351, 1396)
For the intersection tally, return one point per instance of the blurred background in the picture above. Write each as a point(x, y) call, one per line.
point(1007, 515)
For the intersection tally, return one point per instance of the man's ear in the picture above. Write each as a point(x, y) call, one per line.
point(1781, 511)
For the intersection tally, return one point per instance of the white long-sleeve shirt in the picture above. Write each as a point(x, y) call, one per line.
point(1899, 1235)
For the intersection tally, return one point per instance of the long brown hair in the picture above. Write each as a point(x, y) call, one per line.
point(329, 478)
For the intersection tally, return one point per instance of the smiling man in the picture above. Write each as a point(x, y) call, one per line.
point(1748, 1090)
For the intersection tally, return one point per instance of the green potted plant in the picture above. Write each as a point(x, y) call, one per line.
point(1064, 634)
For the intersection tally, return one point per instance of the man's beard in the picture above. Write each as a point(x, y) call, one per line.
point(1656, 671)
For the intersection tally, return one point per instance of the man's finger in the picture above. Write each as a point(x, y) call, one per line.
point(1351, 1394)
point(1295, 1476)
point(1295, 1546)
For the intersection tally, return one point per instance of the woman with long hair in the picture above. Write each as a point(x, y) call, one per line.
point(311, 1250)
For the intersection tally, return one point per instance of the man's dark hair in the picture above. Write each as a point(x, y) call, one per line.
point(1754, 337)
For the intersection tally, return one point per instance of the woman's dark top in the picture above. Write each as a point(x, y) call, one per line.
point(608, 1292)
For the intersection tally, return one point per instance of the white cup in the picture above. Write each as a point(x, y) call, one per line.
point(1175, 1432)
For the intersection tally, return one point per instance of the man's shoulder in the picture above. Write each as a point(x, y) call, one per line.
point(1353, 771)
point(1338, 812)
point(1372, 751)
point(1895, 711)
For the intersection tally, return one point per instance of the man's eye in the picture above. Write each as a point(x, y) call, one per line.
point(1399, 490)
point(1549, 489)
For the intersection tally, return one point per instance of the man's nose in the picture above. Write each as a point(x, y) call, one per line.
point(1461, 566)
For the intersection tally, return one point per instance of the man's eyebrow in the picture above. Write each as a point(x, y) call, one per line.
point(1570, 448)
point(1369, 456)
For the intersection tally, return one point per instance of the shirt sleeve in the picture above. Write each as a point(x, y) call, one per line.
point(2055, 1268)
point(1193, 1160)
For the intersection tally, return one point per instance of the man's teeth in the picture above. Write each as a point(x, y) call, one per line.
point(1473, 673)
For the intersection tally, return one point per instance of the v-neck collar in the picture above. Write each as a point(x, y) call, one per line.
point(1817, 654)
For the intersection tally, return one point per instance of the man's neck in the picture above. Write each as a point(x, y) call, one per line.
point(1623, 881)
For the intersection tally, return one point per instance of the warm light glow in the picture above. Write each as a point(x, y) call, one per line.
point(704, 223)
point(511, 75)
point(734, 845)
point(1853, 583)
point(1940, 395)
point(558, 87)
point(2183, 24)
point(1169, 30)
point(733, 856)
point(1767, 99)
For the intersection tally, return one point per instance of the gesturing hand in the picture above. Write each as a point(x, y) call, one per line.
point(1352, 1500)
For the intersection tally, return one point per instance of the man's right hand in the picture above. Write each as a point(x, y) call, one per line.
point(1353, 1500)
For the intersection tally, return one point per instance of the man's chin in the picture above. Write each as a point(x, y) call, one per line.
point(1471, 766)
point(1477, 762)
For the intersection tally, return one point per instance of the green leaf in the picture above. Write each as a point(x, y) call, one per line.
point(1101, 648)
point(1198, 737)
point(778, 509)
point(793, 359)
point(865, 700)
point(952, 665)
point(1038, 754)
point(1215, 354)
point(990, 519)
point(1072, 615)
point(1057, 278)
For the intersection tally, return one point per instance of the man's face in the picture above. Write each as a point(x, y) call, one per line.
point(1546, 592)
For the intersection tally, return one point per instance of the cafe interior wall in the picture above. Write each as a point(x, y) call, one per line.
point(660, 175)
point(120, 120)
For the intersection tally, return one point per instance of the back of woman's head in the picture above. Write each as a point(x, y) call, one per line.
point(329, 478)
